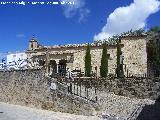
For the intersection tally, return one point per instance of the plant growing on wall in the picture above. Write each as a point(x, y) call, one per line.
point(104, 62)
point(155, 29)
point(138, 32)
point(153, 49)
point(88, 62)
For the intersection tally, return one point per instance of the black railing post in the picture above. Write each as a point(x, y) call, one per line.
point(68, 89)
point(80, 88)
point(96, 94)
point(85, 88)
point(87, 93)
point(71, 88)
point(77, 88)
point(74, 87)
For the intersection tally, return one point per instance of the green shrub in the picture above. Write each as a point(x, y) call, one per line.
point(104, 62)
point(88, 62)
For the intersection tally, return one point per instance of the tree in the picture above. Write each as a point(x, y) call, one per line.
point(153, 50)
point(104, 62)
point(119, 70)
point(155, 29)
point(88, 62)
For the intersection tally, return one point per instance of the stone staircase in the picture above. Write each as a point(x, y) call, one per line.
point(62, 88)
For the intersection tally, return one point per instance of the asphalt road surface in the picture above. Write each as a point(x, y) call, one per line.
point(15, 112)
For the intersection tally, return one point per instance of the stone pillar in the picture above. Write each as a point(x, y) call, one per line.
point(57, 63)
point(70, 66)
point(47, 62)
point(57, 68)
point(50, 70)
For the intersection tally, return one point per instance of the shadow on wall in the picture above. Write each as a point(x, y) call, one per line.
point(150, 112)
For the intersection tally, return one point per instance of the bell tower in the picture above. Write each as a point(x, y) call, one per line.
point(33, 44)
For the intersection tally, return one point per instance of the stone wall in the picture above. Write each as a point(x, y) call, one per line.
point(31, 88)
point(134, 52)
point(135, 55)
point(96, 54)
point(79, 56)
point(142, 88)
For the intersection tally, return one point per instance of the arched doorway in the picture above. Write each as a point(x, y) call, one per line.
point(53, 67)
point(41, 62)
point(62, 67)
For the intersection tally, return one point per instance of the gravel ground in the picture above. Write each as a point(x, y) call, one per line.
point(116, 106)
point(120, 106)
point(15, 112)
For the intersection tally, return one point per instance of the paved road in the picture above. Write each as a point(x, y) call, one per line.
point(15, 112)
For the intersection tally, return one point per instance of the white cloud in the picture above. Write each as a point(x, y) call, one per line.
point(130, 17)
point(72, 9)
point(83, 14)
point(20, 35)
point(101, 36)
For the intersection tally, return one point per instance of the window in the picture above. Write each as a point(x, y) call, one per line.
point(21, 56)
point(14, 57)
point(31, 46)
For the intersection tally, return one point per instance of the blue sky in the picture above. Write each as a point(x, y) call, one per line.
point(80, 23)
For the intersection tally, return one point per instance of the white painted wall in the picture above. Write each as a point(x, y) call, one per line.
point(16, 60)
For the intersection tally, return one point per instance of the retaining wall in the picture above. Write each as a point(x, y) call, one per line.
point(32, 88)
